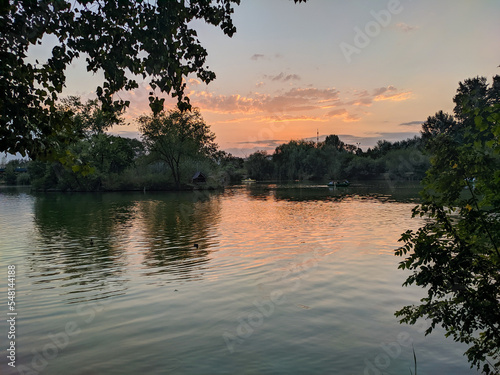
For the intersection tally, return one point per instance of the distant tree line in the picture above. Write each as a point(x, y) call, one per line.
point(333, 159)
point(108, 162)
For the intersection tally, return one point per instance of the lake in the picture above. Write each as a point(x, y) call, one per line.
point(285, 279)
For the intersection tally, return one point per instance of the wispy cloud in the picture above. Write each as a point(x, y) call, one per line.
point(344, 115)
point(301, 99)
point(406, 28)
point(261, 56)
point(194, 82)
point(390, 93)
point(383, 90)
point(266, 142)
point(392, 136)
point(236, 120)
point(225, 103)
point(282, 77)
point(365, 98)
point(411, 123)
point(289, 118)
point(395, 97)
point(337, 112)
point(257, 56)
point(312, 93)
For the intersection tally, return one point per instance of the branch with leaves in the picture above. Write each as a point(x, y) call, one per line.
point(124, 40)
point(455, 255)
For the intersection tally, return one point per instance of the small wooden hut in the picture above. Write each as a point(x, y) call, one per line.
point(199, 178)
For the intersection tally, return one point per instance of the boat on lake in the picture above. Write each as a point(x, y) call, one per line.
point(344, 183)
point(248, 180)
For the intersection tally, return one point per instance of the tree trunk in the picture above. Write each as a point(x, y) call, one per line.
point(178, 173)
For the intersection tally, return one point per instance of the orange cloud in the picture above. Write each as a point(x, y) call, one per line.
point(300, 104)
point(194, 82)
point(366, 101)
point(224, 104)
point(292, 118)
point(344, 115)
point(235, 120)
point(396, 97)
point(364, 98)
point(294, 100)
point(313, 93)
point(390, 93)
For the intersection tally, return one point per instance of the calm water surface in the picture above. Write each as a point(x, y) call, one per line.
point(286, 279)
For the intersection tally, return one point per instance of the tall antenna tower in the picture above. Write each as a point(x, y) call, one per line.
point(317, 137)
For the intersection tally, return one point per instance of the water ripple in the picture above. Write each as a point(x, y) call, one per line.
point(125, 269)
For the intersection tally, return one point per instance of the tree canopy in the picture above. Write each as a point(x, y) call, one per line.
point(174, 136)
point(125, 40)
point(91, 157)
point(456, 254)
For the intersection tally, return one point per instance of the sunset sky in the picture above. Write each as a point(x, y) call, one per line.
point(365, 70)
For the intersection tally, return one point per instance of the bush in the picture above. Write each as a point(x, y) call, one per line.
point(23, 179)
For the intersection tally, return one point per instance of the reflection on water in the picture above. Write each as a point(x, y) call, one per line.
point(75, 245)
point(178, 235)
point(295, 278)
point(393, 191)
point(86, 241)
